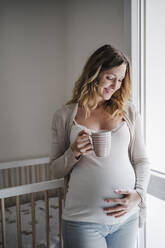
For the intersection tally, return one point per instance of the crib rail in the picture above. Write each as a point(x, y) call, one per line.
point(31, 189)
point(24, 163)
point(25, 172)
point(25, 182)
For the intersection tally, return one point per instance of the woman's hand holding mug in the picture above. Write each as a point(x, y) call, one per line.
point(82, 144)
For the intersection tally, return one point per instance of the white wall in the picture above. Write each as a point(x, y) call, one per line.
point(43, 47)
point(91, 24)
point(31, 75)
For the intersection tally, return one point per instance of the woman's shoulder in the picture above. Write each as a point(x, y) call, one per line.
point(129, 105)
point(64, 113)
point(130, 110)
point(65, 109)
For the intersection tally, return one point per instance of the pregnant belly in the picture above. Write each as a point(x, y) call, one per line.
point(89, 186)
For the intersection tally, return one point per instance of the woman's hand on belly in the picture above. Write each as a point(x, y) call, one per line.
point(124, 205)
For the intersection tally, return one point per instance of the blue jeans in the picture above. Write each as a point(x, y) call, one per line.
point(93, 235)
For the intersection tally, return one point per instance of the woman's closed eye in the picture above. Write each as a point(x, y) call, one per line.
point(109, 78)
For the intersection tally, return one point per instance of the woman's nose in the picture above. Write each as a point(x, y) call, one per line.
point(114, 84)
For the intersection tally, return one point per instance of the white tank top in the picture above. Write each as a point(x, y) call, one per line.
point(95, 178)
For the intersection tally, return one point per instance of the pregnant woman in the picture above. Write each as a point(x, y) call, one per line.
point(105, 197)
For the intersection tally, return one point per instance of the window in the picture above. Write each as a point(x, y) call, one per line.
point(155, 83)
point(148, 52)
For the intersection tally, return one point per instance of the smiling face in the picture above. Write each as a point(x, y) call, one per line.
point(109, 82)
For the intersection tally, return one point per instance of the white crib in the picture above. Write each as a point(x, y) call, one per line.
point(24, 185)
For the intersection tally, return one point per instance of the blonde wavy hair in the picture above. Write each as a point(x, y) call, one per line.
point(85, 89)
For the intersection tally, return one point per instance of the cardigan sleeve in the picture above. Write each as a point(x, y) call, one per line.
point(62, 159)
point(140, 161)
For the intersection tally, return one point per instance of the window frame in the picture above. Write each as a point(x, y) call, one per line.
point(138, 58)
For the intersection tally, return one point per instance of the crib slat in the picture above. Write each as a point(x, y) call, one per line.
point(3, 223)
point(26, 181)
point(15, 176)
point(49, 172)
point(40, 173)
point(30, 177)
point(4, 184)
point(33, 220)
point(26, 175)
point(30, 174)
point(40, 179)
point(47, 218)
point(9, 178)
point(46, 173)
point(36, 174)
point(20, 175)
point(10, 183)
point(18, 221)
point(60, 215)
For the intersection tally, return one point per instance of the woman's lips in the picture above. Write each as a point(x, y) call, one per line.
point(108, 90)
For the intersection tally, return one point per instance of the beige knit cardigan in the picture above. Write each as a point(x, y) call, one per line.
point(63, 160)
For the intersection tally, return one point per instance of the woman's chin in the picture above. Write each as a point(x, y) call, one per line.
point(107, 97)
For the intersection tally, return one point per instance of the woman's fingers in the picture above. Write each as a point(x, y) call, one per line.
point(121, 214)
point(115, 211)
point(117, 214)
point(88, 151)
point(83, 141)
point(83, 132)
point(86, 147)
point(83, 135)
point(82, 144)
